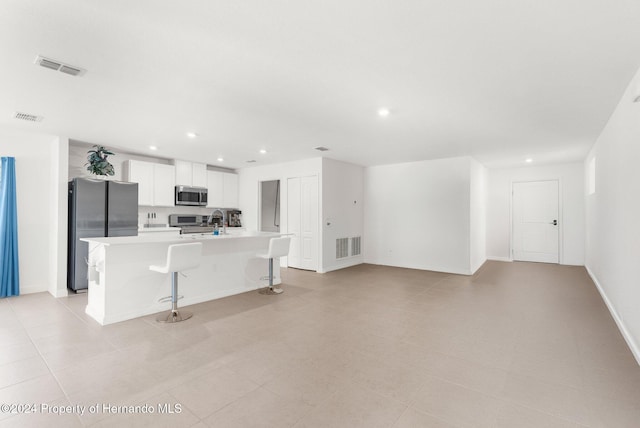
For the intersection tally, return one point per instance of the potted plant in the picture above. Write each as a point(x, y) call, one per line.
point(98, 163)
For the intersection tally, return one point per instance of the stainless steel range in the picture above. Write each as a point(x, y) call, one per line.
point(191, 223)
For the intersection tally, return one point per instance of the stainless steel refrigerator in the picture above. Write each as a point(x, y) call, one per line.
point(97, 208)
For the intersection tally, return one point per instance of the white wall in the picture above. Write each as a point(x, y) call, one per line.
point(417, 215)
point(249, 192)
point(613, 216)
point(58, 197)
point(342, 210)
point(478, 215)
point(36, 188)
point(571, 217)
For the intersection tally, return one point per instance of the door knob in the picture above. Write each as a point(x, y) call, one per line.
point(554, 222)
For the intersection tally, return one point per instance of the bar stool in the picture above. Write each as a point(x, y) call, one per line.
point(278, 247)
point(179, 257)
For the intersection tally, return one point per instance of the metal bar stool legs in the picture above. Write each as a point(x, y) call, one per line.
point(278, 247)
point(179, 257)
point(173, 315)
point(270, 289)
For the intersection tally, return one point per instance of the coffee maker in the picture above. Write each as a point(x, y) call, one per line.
point(216, 218)
point(234, 218)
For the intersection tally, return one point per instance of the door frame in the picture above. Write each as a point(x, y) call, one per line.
point(259, 210)
point(560, 216)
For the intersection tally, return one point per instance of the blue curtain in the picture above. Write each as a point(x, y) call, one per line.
point(9, 276)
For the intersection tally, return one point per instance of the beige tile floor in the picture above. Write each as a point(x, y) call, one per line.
point(516, 345)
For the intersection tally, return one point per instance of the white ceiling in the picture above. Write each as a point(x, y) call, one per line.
point(500, 80)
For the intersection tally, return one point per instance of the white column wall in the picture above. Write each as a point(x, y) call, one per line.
point(417, 215)
point(572, 206)
point(478, 215)
point(58, 217)
point(36, 165)
point(613, 216)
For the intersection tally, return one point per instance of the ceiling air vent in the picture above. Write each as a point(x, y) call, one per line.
point(251, 161)
point(28, 117)
point(53, 64)
point(71, 70)
point(48, 63)
point(322, 149)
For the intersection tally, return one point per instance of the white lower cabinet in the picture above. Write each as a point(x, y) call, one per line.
point(156, 182)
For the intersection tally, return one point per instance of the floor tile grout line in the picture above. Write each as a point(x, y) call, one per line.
point(51, 373)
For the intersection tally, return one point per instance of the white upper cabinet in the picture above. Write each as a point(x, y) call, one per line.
point(199, 175)
point(156, 182)
point(141, 173)
point(191, 174)
point(223, 189)
point(184, 173)
point(164, 184)
point(230, 194)
point(215, 186)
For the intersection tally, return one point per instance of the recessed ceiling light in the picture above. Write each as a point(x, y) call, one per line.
point(321, 149)
point(528, 160)
point(192, 134)
point(263, 151)
point(153, 148)
point(383, 112)
point(220, 160)
point(251, 161)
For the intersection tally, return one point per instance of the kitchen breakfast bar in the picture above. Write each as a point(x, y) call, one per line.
point(122, 287)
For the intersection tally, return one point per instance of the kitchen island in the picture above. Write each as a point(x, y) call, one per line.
point(122, 287)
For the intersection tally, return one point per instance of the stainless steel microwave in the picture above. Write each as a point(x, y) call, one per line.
point(193, 196)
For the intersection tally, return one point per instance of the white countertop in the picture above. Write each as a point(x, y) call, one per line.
point(153, 238)
point(158, 229)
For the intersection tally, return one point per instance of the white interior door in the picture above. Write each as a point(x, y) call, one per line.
point(293, 221)
point(536, 221)
point(309, 222)
point(302, 222)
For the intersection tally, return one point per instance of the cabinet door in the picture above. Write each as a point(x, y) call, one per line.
point(184, 173)
point(215, 186)
point(230, 193)
point(142, 173)
point(199, 175)
point(164, 185)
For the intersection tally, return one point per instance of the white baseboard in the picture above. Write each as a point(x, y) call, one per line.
point(499, 259)
point(32, 289)
point(344, 264)
point(633, 346)
point(59, 293)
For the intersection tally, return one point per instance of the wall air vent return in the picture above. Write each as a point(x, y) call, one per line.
point(355, 246)
point(53, 64)
point(322, 149)
point(27, 117)
point(342, 248)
